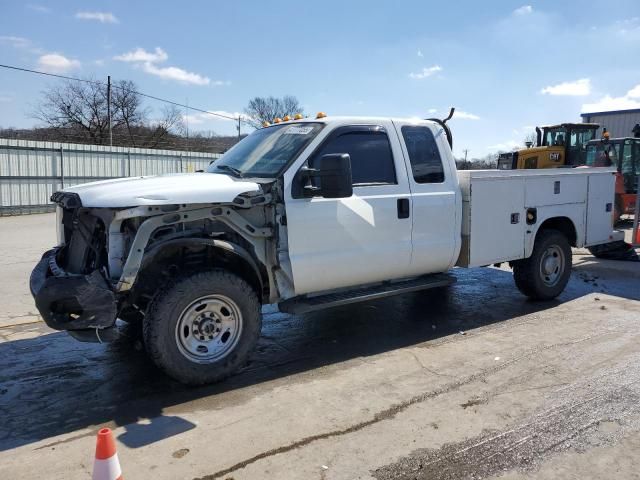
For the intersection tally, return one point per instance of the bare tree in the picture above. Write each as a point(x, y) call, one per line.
point(530, 137)
point(127, 110)
point(171, 122)
point(75, 108)
point(265, 109)
point(78, 112)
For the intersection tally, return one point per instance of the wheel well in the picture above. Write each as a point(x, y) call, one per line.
point(563, 225)
point(182, 256)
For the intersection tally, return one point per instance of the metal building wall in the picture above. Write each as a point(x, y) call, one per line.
point(618, 123)
point(31, 171)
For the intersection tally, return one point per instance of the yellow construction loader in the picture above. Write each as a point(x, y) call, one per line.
point(562, 145)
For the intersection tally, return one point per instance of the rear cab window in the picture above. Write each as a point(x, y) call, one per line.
point(424, 155)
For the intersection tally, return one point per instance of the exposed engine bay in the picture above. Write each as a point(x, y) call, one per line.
point(109, 263)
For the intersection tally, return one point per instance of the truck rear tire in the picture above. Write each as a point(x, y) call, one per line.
point(544, 275)
point(201, 328)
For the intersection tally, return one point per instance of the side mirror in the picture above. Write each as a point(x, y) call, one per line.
point(334, 177)
point(335, 173)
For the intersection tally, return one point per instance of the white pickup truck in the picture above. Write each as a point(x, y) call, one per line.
point(308, 214)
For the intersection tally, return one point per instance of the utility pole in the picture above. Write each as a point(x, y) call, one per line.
point(186, 116)
point(239, 128)
point(109, 109)
point(466, 150)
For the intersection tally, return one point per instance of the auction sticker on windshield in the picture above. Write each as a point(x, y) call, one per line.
point(299, 130)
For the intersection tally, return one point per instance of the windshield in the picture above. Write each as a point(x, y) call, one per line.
point(579, 137)
point(266, 151)
point(602, 155)
point(554, 137)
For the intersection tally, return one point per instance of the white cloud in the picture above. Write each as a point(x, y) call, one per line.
point(625, 102)
point(16, 42)
point(432, 110)
point(634, 92)
point(149, 61)
point(56, 63)
point(505, 146)
point(628, 26)
point(462, 115)
point(175, 73)
point(578, 88)
point(420, 53)
point(141, 55)
point(200, 118)
point(426, 72)
point(38, 8)
point(524, 10)
point(102, 17)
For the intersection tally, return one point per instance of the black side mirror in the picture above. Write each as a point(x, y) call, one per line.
point(335, 173)
point(333, 176)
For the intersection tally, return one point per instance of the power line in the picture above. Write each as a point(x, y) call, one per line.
point(96, 82)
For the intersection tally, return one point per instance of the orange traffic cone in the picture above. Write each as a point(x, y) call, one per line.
point(106, 465)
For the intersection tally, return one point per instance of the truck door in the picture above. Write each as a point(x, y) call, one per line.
point(435, 198)
point(352, 241)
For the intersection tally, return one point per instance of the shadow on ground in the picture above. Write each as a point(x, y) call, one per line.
point(52, 385)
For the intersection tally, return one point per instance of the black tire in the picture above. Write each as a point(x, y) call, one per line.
point(533, 276)
point(166, 344)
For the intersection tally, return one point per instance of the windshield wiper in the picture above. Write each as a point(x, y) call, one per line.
point(229, 168)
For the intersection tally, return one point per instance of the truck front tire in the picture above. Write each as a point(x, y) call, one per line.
point(544, 275)
point(201, 328)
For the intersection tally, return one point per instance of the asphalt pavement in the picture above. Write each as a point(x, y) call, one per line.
point(472, 381)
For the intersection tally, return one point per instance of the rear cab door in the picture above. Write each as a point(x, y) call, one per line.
point(435, 197)
point(366, 238)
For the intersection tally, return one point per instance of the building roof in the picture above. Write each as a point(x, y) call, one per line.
point(611, 112)
point(583, 126)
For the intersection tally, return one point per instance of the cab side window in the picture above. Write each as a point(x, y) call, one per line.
point(424, 155)
point(370, 152)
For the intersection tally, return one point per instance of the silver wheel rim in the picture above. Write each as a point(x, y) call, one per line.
point(552, 265)
point(209, 329)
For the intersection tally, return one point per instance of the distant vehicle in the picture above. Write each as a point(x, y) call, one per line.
point(556, 146)
point(306, 214)
point(624, 155)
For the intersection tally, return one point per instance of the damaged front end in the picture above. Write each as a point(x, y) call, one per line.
point(69, 284)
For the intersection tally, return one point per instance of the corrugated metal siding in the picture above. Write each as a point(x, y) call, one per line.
point(31, 171)
point(618, 124)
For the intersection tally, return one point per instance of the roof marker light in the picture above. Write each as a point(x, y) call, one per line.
point(277, 120)
point(321, 115)
point(265, 124)
point(297, 116)
point(286, 118)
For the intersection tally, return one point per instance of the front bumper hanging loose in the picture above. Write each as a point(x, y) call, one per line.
point(70, 301)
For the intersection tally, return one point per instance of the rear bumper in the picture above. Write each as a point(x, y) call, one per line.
point(69, 301)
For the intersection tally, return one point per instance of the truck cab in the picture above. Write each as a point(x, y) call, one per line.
point(400, 181)
point(305, 214)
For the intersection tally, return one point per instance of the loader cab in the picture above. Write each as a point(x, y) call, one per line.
point(624, 155)
point(621, 153)
point(567, 143)
point(562, 145)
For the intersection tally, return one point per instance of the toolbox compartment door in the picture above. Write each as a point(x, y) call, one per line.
point(493, 219)
point(600, 208)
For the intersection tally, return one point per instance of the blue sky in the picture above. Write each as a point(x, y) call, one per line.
point(507, 66)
